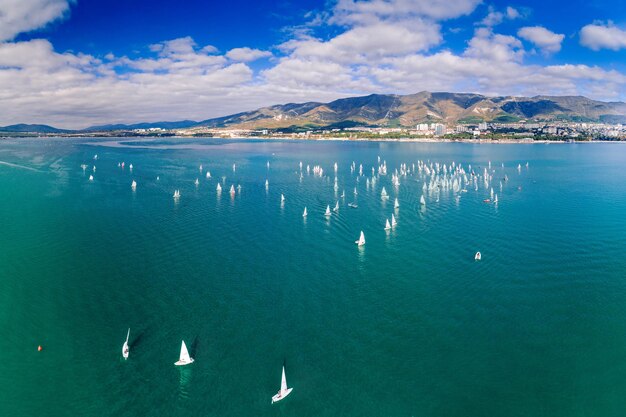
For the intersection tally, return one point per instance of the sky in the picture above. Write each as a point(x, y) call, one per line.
point(78, 63)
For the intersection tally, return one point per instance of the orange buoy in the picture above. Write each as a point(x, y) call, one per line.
point(39, 348)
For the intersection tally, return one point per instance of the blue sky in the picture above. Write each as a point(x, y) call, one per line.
point(77, 63)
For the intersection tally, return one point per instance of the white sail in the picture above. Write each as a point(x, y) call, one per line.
point(208, 174)
point(396, 204)
point(305, 213)
point(361, 240)
point(422, 200)
point(393, 220)
point(184, 358)
point(336, 207)
point(387, 225)
point(133, 185)
point(91, 178)
point(383, 194)
point(232, 189)
point(284, 390)
point(282, 198)
point(327, 213)
point(125, 349)
point(267, 184)
point(219, 187)
point(197, 182)
point(478, 256)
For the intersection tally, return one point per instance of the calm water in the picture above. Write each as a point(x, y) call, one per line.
point(408, 325)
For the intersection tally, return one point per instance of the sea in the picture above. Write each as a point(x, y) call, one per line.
point(409, 324)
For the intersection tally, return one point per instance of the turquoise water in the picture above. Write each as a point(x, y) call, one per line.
point(408, 325)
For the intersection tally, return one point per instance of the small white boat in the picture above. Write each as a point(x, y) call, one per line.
point(176, 194)
point(133, 185)
point(478, 256)
point(353, 205)
point(393, 221)
point(239, 188)
point(396, 204)
point(267, 184)
point(197, 182)
point(200, 168)
point(125, 349)
point(355, 192)
point(361, 240)
point(208, 174)
point(234, 167)
point(184, 358)
point(232, 189)
point(283, 391)
point(268, 164)
point(387, 225)
point(422, 200)
point(336, 209)
point(91, 178)
point(343, 194)
point(383, 194)
point(130, 167)
point(282, 198)
point(327, 213)
point(305, 213)
point(158, 178)
point(218, 188)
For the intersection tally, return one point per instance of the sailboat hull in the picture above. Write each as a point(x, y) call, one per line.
point(183, 363)
point(281, 395)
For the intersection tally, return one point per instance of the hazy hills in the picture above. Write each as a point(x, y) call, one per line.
point(388, 110)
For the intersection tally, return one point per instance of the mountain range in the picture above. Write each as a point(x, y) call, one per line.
point(390, 110)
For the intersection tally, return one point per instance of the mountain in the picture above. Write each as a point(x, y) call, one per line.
point(162, 125)
point(408, 110)
point(24, 128)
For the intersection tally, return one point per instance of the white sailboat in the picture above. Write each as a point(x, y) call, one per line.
point(184, 358)
point(218, 188)
point(336, 209)
point(91, 178)
point(355, 192)
point(396, 204)
point(327, 213)
point(478, 256)
point(208, 174)
point(282, 199)
point(387, 225)
point(383, 194)
point(197, 182)
point(361, 240)
point(393, 221)
point(232, 189)
point(422, 200)
point(284, 391)
point(267, 184)
point(305, 213)
point(133, 185)
point(125, 349)
point(176, 194)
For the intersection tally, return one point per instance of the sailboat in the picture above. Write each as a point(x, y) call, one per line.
point(184, 359)
point(218, 188)
point(232, 189)
point(393, 221)
point(133, 185)
point(383, 194)
point(176, 194)
point(125, 346)
point(336, 209)
point(91, 178)
point(282, 199)
point(305, 213)
point(396, 204)
point(208, 174)
point(327, 213)
point(267, 184)
point(422, 200)
point(478, 256)
point(283, 391)
point(387, 225)
point(361, 240)
point(197, 182)
point(355, 192)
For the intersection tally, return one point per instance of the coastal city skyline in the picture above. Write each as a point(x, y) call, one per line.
point(73, 64)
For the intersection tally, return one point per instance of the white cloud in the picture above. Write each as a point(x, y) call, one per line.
point(247, 54)
point(546, 40)
point(495, 17)
point(494, 47)
point(598, 36)
point(17, 16)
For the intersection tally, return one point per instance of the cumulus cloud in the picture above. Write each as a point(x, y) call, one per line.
point(17, 16)
point(546, 40)
point(247, 54)
point(386, 46)
point(598, 36)
point(495, 17)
